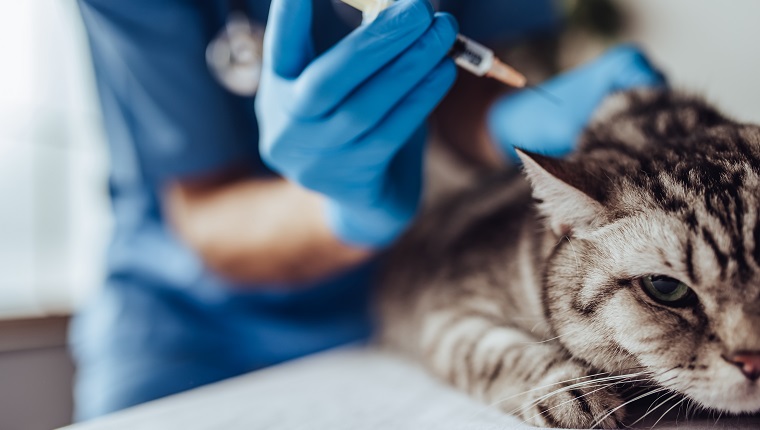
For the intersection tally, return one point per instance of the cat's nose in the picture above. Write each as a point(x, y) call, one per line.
point(747, 361)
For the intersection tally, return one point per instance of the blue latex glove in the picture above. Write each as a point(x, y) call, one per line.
point(529, 121)
point(348, 124)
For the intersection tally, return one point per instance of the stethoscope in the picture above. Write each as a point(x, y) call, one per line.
point(234, 56)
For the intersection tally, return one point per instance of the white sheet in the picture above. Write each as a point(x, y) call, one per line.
point(350, 389)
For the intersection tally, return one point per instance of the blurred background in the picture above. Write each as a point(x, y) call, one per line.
point(54, 212)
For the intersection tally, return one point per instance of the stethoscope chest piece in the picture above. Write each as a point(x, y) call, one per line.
point(235, 54)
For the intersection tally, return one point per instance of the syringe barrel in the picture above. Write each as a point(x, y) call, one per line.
point(472, 56)
point(468, 54)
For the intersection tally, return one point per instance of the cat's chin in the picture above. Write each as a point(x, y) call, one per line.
point(741, 398)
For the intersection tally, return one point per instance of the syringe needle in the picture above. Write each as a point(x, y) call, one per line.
point(508, 75)
point(545, 94)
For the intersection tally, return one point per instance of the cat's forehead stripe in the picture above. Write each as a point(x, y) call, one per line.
point(756, 238)
point(689, 262)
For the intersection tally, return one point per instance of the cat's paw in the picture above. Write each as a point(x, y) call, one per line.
point(568, 398)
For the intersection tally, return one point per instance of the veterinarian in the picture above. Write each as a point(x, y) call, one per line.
point(221, 263)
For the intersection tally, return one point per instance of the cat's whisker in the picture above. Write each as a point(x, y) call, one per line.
point(580, 329)
point(658, 405)
point(603, 387)
point(579, 384)
point(553, 384)
point(649, 409)
point(689, 409)
point(649, 393)
point(682, 404)
point(612, 380)
point(535, 326)
point(720, 414)
point(556, 392)
point(541, 398)
point(666, 412)
point(693, 409)
point(639, 391)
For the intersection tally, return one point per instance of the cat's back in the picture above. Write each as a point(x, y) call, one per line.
point(482, 242)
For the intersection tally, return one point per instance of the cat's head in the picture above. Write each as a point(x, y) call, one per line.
point(659, 268)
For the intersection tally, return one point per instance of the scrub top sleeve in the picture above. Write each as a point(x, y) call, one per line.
point(158, 97)
point(492, 21)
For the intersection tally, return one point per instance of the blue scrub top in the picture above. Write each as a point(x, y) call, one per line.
point(163, 322)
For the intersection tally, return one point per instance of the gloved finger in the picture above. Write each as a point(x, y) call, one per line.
point(619, 68)
point(410, 113)
point(530, 121)
point(584, 88)
point(288, 47)
point(631, 68)
point(365, 108)
point(335, 74)
point(402, 190)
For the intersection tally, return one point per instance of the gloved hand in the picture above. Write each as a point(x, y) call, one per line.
point(349, 123)
point(529, 121)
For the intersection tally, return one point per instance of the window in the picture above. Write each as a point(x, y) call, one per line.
point(54, 218)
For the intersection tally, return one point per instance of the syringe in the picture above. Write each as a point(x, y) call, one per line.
point(481, 61)
point(466, 53)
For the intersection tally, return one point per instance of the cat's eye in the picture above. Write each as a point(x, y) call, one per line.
point(667, 290)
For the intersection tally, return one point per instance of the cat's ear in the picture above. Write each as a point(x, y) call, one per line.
point(567, 196)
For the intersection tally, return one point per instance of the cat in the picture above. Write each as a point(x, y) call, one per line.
point(635, 260)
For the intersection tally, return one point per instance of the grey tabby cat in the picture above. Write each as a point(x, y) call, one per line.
point(639, 262)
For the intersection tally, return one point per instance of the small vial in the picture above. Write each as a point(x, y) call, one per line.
point(481, 61)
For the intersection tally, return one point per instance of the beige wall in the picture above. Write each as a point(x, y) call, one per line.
point(706, 46)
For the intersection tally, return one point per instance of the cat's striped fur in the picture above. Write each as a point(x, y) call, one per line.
point(538, 308)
